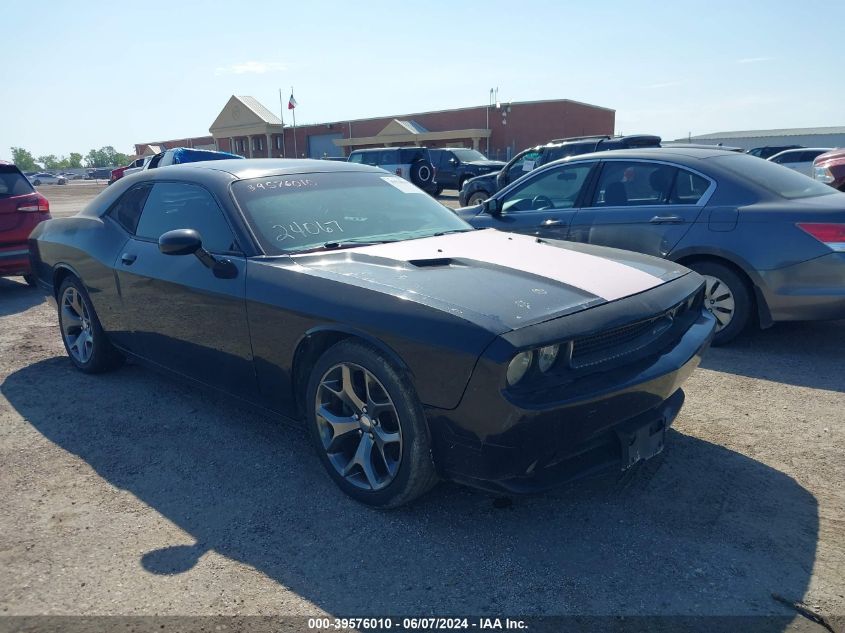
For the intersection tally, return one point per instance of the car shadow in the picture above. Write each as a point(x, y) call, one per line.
point(805, 354)
point(700, 530)
point(16, 296)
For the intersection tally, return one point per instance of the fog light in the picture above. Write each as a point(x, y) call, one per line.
point(518, 367)
point(546, 357)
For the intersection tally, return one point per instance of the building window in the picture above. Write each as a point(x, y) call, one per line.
point(279, 142)
point(257, 144)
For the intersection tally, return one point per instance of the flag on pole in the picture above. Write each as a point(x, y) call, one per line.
point(291, 102)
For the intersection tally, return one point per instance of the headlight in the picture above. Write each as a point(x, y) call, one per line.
point(822, 174)
point(518, 367)
point(546, 357)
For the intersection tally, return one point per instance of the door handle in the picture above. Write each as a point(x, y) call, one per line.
point(667, 219)
point(127, 259)
point(551, 222)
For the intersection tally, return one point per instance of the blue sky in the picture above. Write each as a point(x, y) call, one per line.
point(84, 75)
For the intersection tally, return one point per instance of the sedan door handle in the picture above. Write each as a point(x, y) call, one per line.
point(551, 222)
point(667, 219)
point(128, 259)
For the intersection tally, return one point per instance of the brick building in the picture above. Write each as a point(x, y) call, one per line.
point(246, 127)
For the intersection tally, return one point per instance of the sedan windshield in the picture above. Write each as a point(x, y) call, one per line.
point(300, 212)
point(778, 179)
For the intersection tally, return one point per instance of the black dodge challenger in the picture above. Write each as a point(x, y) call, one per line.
point(412, 346)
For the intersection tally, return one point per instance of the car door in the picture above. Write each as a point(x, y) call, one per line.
point(543, 205)
point(641, 206)
point(182, 315)
point(447, 169)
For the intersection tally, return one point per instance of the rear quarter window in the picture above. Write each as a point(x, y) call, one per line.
point(13, 182)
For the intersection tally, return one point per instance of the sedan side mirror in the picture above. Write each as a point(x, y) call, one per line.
point(180, 242)
point(491, 206)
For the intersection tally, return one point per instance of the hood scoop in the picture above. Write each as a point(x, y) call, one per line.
point(431, 262)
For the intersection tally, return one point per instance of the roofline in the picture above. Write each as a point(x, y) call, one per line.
point(413, 114)
point(258, 114)
point(798, 131)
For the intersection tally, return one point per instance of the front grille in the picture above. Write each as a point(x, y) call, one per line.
point(621, 341)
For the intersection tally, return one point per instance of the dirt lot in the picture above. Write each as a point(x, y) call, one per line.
point(130, 494)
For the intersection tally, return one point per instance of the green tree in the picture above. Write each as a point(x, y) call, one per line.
point(49, 161)
point(23, 159)
point(74, 161)
point(105, 157)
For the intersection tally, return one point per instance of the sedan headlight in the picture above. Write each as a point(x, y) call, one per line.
point(519, 366)
point(546, 357)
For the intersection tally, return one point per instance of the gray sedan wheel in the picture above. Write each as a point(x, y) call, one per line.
point(727, 297)
point(368, 426)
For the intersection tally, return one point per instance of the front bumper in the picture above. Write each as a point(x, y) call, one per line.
point(810, 291)
point(575, 432)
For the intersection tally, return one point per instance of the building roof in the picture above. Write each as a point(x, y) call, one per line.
point(798, 131)
point(253, 104)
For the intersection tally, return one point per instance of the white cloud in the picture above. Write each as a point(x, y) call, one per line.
point(754, 60)
point(251, 67)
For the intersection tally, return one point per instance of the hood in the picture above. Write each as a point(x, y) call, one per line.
point(486, 164)
point(491, 177)
point(501, 281)
point(836, 154)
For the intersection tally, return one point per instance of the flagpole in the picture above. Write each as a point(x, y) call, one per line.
point(295, 151)
point(282, 118)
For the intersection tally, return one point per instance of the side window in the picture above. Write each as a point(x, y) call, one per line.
point(786, 158)
point(624, 183)
point(688, 188)
point(527, 162)
point(555, 189)
point(355, 158)
point(388, 157)
point(127, 209)
point(177, 205)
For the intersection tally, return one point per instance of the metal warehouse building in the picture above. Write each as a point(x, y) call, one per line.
point(246, 127)
point(749, 139)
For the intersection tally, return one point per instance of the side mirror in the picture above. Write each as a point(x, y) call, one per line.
point(491, 206)
point(180, 242)
point(454, 161)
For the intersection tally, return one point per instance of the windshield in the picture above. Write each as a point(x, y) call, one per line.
point(306, 211)
point(778, 179)
point(468, 155)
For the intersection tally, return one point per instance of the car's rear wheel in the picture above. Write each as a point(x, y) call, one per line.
point(36, 182)
point(86, 343)
point(438, 190)
point(368, 426)
point(477, 198)
point(726, 297)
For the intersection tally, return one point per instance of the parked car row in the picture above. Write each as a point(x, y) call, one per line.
point(515, 344)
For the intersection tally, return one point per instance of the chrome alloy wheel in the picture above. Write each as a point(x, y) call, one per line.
point(76, 325)
point(358, 426)
point(719, 301)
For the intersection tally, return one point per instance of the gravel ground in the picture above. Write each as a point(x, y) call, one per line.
point(129, 493)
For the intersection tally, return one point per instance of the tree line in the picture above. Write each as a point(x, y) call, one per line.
point(104, 157)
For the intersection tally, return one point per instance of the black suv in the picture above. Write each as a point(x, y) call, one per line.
point(480, 188)
point(455, 165)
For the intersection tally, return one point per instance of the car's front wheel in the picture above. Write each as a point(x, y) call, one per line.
point(36, 182)
point(368, 426)
point(726, 297)
point(477, 198)
point(83, 336)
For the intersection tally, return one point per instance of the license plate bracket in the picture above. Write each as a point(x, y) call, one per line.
point(642, 442)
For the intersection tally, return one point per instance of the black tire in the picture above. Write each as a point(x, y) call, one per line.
point(30, 280)
point(416, 473)
point(438, 190)
point(36, 182)
point(722, 280)
point(477, 197)
point(103, 356)
point(422, 174)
